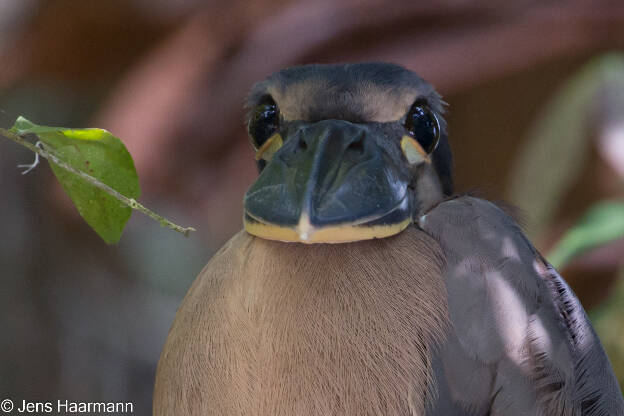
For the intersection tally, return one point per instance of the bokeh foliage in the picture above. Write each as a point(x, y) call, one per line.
point(550, 164)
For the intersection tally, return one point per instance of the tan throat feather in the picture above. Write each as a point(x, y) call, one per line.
point(270, 328)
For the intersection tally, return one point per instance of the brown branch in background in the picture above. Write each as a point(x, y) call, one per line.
point(452, 56)
point(186, 98)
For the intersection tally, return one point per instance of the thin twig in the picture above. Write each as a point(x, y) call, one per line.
point(131, 202)
point(31, 166)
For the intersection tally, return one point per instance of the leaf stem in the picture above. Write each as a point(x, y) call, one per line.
point(130, 202)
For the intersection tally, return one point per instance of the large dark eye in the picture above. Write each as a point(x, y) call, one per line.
point(263, 122)
point(423, 125)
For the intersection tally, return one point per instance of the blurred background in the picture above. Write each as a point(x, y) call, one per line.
point(536, 115)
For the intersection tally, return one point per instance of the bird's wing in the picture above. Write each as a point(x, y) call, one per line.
point(520, 342)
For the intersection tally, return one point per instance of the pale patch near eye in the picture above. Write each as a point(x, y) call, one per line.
point(270, 147)
point(413, 151)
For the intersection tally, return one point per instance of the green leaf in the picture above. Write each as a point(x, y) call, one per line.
point(608, 322)
point(601, 224)
point(102, 156)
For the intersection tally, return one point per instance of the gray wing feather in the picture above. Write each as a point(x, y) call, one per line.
point(521, 343)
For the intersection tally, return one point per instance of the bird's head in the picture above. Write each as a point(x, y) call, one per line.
point(346, 153)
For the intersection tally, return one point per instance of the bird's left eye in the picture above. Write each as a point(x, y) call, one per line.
point(423, 125)
point(264, 123)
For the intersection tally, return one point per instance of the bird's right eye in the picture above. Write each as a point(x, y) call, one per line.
point(263, 122)
point(423, 125)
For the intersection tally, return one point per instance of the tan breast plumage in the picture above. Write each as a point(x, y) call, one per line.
point(272, 328)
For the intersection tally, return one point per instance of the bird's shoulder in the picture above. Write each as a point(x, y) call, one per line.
point(517, 326)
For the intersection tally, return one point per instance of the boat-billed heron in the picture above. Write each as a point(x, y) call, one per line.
point(362, 286)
